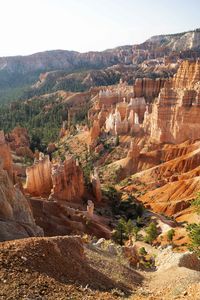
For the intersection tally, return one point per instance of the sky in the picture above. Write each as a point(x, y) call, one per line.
point(29, 26)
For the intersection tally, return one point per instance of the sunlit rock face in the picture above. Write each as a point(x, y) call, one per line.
point(68, 181)
point(39, 181)
point(175, 113)
point(147, 87)
point(61, 180)
point(16, 219)
point(5, 155)
point(96, 186)
point(94, 132)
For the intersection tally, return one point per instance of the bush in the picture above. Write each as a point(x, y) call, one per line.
point(142, 251)
point(196, 203)
point(194, 235)
point(152, 233)
point(124, 231)
point(120, 233)
point(170, 235)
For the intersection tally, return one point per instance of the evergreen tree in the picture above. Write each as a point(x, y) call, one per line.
point(152, 233)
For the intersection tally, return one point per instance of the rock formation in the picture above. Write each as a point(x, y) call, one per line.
point(5, 155)
point(16, 219)
point(68, 181)
point(175, 114)
point(147, 87)
point(127, 117)
point(61, 218)
point(90, 208)
point(39, 181)
point(19, 142)
point(96, 186)
point(94, 132)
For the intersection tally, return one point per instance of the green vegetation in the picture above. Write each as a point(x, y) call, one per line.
point(142, 251)
point(124, 231)
point(170, 235)
point(152, 233)
point(194, 230)
point(196, 203)
point(42, 117)
point(33, 115)
point(14, 84)
point(129, 208)
point(194, 235)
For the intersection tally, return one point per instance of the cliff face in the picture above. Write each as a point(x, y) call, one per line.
point(5, 155)
point(62, 181)
point(15, 213)
point(175, 114)
point(39, 180)
point(147, 87)
point(68, 181)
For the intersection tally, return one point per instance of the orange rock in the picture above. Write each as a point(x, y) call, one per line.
point(96, 186)
point(15, 212)
point(175, 114)
point(18, 137)
point(39, 181)
point(5, 155)
point(147, 87)
point(68, 181)
point(94, 133)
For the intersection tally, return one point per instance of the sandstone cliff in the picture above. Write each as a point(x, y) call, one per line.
point(68, 181)
point(16, 219)
point(5, 155)
point(39, 181)
point(175, 114)
point(147, 87)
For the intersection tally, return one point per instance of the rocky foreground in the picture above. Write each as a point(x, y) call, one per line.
point(65, 268)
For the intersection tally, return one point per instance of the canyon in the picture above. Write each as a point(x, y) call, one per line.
point(121, 148)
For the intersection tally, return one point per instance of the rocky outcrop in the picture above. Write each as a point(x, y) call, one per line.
point(94, 133)
point(5, 155)
point(16, 219)
point(61, 218)
point(39, 181)
point(127, 117)
point(60, 181)
point(90, 208)
point(68, 181)
point(147, 87)
point(128, 165)
point(96, 186)
point(19, 142)
point(175, 114)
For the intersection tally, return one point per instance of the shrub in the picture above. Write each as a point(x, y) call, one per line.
point(120, 232)
point(170, 235)
point(194, 235)
point(142, 251)
point(152, 233)
point(196, 203)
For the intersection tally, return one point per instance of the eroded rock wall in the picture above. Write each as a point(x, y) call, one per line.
point(68, 181)
point(16, 219)
point(39, 181)
point(175, 113)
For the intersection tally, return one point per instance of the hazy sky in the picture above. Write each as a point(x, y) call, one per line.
point(28, 26)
